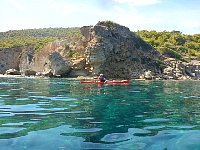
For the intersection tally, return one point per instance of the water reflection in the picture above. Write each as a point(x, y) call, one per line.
point(142, 115)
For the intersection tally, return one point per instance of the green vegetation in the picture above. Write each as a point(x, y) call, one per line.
point(109, 24)
point(173, 44)
point(44, 32)
point(36, 37)
point(169, 52)
point(38, 42)
point(73, 54)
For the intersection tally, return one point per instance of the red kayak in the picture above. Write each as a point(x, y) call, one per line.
point(107, 82)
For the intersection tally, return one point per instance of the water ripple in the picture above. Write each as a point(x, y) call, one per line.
point(156, 120)
point(116, 137)
point(63, 114)
point(10, 130)
point(18, 123)
point(62, 98)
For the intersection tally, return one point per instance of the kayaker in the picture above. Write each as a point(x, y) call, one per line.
point(102, 78)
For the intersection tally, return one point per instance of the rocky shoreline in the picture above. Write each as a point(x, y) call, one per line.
point(147, 76)
point(110, 49)
point(176, 70)
point(173, 70)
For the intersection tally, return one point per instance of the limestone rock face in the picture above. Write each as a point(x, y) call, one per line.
point(181, 70)
point(110, 49)
point(117, 52)
point(57, 64)
point(26, 60)
point(78, 68)
point(9, 59)
point(51, 58)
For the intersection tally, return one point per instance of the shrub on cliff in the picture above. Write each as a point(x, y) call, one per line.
point(198, 56)
point(109, 24)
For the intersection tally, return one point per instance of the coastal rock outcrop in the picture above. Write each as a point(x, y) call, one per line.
point(51, 58)
point(9, 59)
point(180, 70)
point(107, 48)
point(117, 52)
point(113, 50)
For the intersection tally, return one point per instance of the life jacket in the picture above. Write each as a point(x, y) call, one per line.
point(102, 78)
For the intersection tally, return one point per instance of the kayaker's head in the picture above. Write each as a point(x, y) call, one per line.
point(101, 74)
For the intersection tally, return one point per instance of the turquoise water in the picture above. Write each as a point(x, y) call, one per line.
point(61, 114)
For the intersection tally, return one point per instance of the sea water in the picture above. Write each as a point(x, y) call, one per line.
point(62, 114)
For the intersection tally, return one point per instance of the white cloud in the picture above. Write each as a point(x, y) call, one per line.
point(138, 2)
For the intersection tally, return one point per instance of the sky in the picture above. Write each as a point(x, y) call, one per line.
point(159, 15)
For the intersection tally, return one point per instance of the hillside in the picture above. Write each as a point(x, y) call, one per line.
point(173, 44)
point(107, 48)
point(36, 37)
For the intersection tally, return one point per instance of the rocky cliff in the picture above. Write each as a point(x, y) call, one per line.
point(117, 52)
point(106, 48)
point(51, 59)
point(10, 58)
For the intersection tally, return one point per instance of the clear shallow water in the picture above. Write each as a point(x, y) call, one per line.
point(61, 114)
